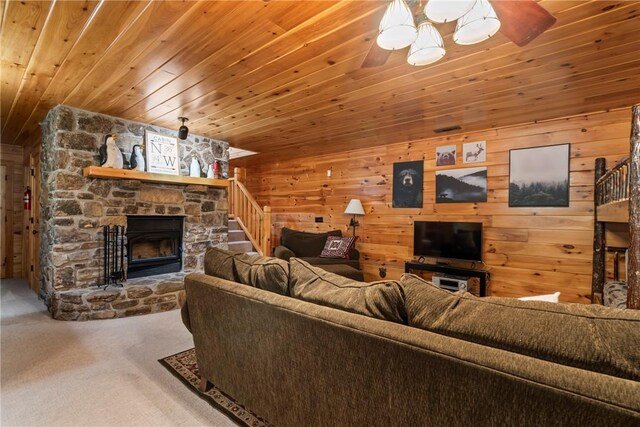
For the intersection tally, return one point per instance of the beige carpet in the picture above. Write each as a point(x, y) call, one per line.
point(96, 373)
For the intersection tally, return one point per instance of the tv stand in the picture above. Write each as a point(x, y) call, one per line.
point(446, 269)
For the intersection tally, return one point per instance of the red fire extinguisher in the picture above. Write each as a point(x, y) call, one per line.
point(26, 199)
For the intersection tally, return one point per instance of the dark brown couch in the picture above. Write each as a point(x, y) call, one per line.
point(308, 246)
point(440, 359)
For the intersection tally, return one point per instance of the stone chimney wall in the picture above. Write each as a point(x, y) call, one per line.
point(74, 208)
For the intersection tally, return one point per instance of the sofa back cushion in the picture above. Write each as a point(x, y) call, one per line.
point(261, 272)
point(381, 300)
point(219, 263)
point(305, 244)
point(271, 274)
point(583, 336)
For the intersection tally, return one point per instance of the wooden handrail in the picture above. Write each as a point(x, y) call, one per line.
point(254, 221)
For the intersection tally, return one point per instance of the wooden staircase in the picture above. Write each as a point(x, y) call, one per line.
point(238, 241)
point(249, 225)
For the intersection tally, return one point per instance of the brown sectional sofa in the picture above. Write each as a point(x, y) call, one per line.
point(315, 351)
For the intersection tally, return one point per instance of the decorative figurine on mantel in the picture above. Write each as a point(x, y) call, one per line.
point(137, 159)
point(110, 154)
point(194, 168)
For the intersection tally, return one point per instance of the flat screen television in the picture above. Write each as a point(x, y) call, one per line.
point(448, 240)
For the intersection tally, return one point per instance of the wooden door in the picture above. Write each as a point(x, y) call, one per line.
point(33, 224)
point(6, 230)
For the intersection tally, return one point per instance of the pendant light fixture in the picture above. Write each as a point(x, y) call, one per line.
point(447, 10)
point(428, 47)
point(397, 29)
point(183, 132)
point(477, 25)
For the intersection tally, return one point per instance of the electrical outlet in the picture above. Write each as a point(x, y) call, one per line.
point(383, 272)
point(329, 172)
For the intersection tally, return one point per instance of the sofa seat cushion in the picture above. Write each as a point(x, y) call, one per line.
point(305, 244)
point(381, 300)
point(271, 274)
point(331, 261)
point(589, 337)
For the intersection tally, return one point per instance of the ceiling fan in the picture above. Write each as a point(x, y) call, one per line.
point(521, 21)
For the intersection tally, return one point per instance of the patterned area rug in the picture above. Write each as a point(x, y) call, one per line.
point(184, 366)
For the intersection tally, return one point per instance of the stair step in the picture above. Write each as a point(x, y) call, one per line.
point(233, 225)
point(241, 246)
point(252, 253)
point(237, 236)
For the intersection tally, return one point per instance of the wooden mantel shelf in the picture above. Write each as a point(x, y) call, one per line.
point(110, 173)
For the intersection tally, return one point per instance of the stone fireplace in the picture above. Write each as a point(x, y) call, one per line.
point(75, 208)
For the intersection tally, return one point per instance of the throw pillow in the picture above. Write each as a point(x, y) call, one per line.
point(338, 247)
point(381, 300)
point(219, 263)
point(549, 297)
point(589, 337)
point(262, 272)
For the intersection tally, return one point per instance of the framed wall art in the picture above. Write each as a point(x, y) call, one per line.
point(474, 152)
point(446, 155)
point(539, 176)
point(407, 184)
point(162, 153)
point(463, 185)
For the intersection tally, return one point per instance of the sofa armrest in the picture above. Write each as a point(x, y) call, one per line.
point(184, 313)
point(283, 252)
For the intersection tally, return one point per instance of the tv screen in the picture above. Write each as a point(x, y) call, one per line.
point(451, 240)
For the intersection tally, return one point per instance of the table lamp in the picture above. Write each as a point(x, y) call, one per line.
point(354, 208)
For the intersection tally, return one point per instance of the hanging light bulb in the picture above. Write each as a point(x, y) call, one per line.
point(480, 23)
point(428, 47)
point(447, 10)
point(397, 29)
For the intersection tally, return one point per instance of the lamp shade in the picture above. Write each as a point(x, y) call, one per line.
point(447, 10)
point(397, 29)
point(428, 47)
point(480, 23)
point(354, 207)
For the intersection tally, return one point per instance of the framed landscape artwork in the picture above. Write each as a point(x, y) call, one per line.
point(461, 185)
point(407, 184)
point(539, 177)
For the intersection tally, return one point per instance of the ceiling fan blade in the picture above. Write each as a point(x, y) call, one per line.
point(522, 20)
point(376, 56)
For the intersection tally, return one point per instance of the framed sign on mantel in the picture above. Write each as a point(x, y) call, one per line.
point(162, 153)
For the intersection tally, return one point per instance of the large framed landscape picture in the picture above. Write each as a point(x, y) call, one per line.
point(461, 185)
point(539, 177)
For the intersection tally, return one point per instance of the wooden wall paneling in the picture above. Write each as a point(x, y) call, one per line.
point(12, 227)
point(529, 250)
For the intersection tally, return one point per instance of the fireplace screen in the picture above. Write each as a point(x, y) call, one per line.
point(154, 245)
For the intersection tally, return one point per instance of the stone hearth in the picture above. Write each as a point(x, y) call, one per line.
point(74, 208)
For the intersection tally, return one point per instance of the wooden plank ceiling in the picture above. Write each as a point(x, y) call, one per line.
point(286, 76)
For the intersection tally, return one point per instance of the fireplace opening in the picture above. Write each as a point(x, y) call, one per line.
point(154, 245)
